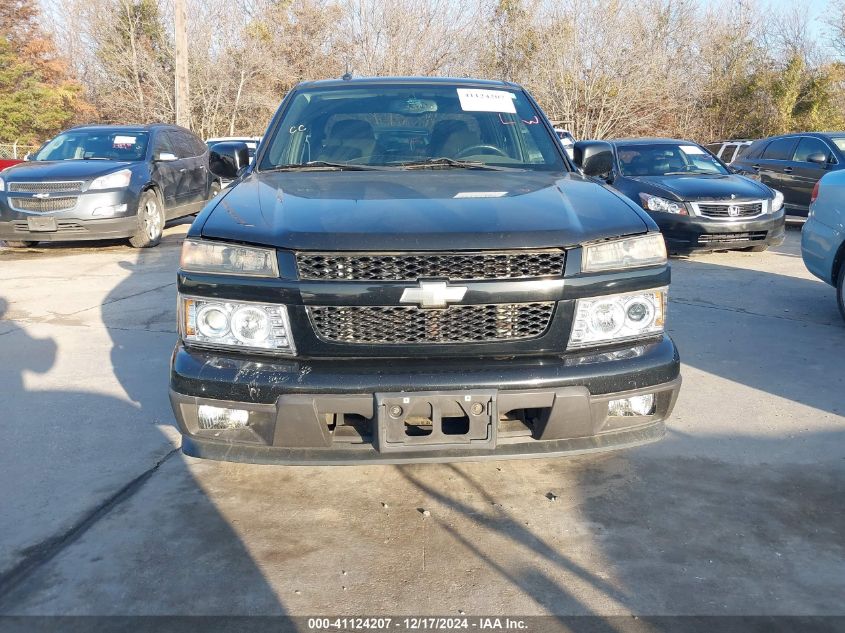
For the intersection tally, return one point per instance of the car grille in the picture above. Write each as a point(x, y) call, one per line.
point(403, 325)
point(46, 187)
point(414, 266)
point(721, 210)
point(62, 226)
point(42, 205)
point(714, 238)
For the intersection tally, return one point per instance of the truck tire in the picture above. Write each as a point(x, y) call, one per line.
point(20, 244)
point(150, 221)
point(758, 249)
point(840, 290)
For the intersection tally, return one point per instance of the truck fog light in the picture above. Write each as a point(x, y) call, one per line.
point(250, 325)
point(635, 405)
point(209, 417)
point(212, 321)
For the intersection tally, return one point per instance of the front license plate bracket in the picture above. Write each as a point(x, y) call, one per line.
point(41, 224)
point(419, 421)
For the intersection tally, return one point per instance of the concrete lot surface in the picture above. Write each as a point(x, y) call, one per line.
point(738, 511)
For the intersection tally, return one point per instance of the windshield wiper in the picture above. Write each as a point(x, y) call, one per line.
point(450, 162)
point(320, 165)
point(692, 173)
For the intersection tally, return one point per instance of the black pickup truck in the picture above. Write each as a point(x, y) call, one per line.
point(412, 270)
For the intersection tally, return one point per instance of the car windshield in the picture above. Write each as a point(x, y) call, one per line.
point(664, 159)
point(96, 145)
point(411, 126)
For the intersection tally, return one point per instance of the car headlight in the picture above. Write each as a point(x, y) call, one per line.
point(656, 203)
point(220, 258)
point(2, 185)
point(115, 180)
point(630, 252)
point(615, 318)
point(235, 324)
point(777, 201)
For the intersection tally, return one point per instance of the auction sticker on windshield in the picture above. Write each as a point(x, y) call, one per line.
point(478, 100)
point(123, 142)
point(691, 149)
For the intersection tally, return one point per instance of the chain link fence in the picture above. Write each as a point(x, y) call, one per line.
point(15, 150)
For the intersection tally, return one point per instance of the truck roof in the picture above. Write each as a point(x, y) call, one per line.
point(388, 81)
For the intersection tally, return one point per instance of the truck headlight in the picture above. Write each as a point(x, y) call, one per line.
point(777, 201)
point(220, 258)
point(235, 324)
point(656, 203)
point(630, 252)
point(614, 318)
point(2, 185)
point(116, 180)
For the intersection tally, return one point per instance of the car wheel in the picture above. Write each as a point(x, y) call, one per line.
point(840, 290)
point(150, 220)
point(758, 249)
point(20, 244)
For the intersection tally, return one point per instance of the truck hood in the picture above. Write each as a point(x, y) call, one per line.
point(699, 187)
point(63, 169)
point(419, 210)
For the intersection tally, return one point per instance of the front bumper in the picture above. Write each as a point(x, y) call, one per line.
point(81, 222)
point(688, 233)
point(337, 411)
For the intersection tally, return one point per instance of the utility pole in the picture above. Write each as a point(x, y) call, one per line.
point(183, 92)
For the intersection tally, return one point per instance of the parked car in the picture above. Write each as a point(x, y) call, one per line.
point(696, 200)
point(823, 236)
point(465, 296)
point(96, 182)
point(728, 151)
point(793, 164)
point(566, 139)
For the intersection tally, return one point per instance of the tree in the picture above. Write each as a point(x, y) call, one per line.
point(37, 97)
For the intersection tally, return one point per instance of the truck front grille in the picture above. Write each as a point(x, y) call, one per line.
point(722, 209)
point(421, 265)
point(46, 187)
point(42, 205)
point(404, 325)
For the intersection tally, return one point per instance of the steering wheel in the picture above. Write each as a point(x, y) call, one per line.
point(473, 149)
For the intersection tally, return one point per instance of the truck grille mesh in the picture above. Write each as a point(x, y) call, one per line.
point(414, 266)
point(42, 205)
point(403, 325)
point(46, 187)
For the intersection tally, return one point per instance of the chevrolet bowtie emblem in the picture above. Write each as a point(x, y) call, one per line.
point(41, 196)
point(433, 294)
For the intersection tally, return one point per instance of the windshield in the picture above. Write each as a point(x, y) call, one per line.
point(385, 126)
point(96, 145)
point(667, 160)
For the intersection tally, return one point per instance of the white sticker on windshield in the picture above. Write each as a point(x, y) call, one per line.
point(692, 149)
point(478, 100)
point(123, 141)
point(481, 194)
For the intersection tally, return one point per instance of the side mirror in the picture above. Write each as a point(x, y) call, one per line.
point(820, 158)
point(595, 158)
point(165, 157)
point(227, 159)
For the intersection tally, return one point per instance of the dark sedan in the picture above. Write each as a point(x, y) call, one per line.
point(793, 164)
point(96, 182)
point(696, 200)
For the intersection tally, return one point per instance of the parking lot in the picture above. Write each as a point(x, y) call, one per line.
point(737, 511)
